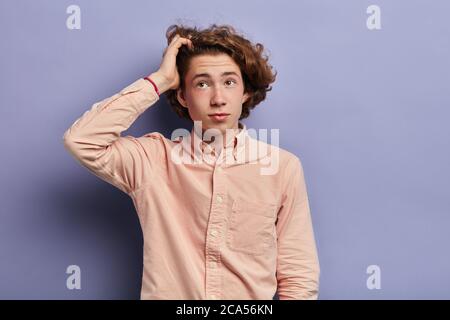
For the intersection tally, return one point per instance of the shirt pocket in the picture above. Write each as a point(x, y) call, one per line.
point(252, 227)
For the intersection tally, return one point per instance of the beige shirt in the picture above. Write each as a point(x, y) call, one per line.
point(236, 225)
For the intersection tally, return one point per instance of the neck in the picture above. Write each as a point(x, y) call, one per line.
point(227, 136)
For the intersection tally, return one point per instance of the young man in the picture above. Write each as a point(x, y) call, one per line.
point(216, 225)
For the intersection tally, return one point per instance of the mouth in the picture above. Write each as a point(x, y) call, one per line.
point(219, 116)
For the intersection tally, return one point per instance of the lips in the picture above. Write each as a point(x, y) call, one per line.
point(219, 116)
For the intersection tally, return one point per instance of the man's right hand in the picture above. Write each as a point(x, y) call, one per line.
point(167, 77)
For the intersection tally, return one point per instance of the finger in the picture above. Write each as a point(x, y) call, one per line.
point(187, 42)
point(182, 41)
point(177, 42)
point(174, 39)
point(191, 44)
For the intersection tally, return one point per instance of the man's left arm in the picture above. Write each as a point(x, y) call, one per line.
point(297, 261)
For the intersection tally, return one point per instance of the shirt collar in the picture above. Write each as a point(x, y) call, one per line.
point(234, 138)
point(240, 147)
point(199, 148)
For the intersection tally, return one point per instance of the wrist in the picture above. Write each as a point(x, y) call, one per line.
point(159, 81)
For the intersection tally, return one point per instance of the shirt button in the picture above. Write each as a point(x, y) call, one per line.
point(219, 199)
point(213, 233)
point(214, 297)
point(213, 264)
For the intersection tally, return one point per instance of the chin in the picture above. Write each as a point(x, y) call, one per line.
point(221, 126)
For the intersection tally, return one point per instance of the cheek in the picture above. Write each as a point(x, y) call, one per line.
point(198, 106)
point(239, 111)
point(196, 97)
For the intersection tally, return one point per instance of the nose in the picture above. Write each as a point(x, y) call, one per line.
point(217, 100)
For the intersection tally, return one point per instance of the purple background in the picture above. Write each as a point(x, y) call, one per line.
point(366, 111)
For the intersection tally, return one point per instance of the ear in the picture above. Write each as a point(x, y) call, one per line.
point(245, 97)
point(180, 98)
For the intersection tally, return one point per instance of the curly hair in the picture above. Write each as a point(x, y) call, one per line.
point(218, 39)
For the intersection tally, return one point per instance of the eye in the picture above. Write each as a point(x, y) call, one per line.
point(230, 80)
point(201, 82)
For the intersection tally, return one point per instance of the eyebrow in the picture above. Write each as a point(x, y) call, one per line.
point(207, 75)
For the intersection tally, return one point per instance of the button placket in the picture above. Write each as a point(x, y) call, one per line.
point(214, 235)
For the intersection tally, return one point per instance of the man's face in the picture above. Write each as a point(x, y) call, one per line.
point(214, 85)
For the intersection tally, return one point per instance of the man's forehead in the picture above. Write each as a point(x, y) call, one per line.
point(212, 64)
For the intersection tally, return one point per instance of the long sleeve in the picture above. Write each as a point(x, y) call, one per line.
point(94, 139)
point(297, 262)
